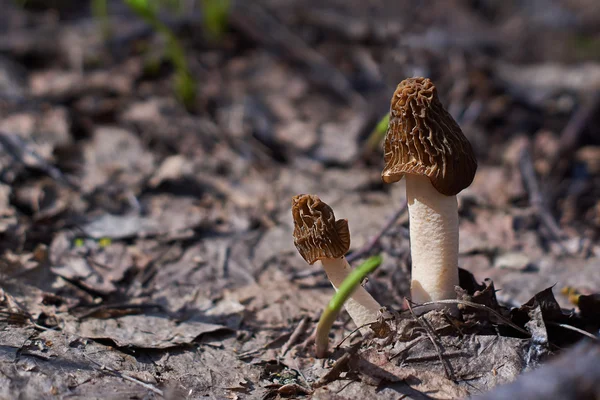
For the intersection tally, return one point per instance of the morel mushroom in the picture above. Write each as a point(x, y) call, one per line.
point(425, 144)
point(319, 237)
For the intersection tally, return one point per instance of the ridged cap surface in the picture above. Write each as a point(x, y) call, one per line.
point(317, 234)
point(424, 139)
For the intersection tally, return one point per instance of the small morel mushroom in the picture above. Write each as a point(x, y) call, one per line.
point(319, 237)
point(425, 144)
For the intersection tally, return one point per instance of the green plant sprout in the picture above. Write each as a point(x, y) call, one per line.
point(348, 286)
point(378, 134)
point(100, 12)
point(185, 86)
point(215, 15)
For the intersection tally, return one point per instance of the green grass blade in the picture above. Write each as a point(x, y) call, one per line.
point(378, 133)
point(184, 83)
point(100, 12)
point(215, 16)
point(344, 292)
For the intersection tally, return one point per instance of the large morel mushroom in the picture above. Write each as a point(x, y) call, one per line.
point(425, 144)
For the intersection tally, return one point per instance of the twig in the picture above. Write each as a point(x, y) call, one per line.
point(536, 199)
point(293, 389)
point(262, 27)
point(21, 152)
point(469, 304)
point(385, 312)
point(123, 376)
point(409, 346)
point(453, 323)
point(14, 317)
point(300, 329)
point(570, 138)
point(334, 372)
point(224, 255)
point(430, 356)
point(350, 382)
point(474, 305)
point(375, 240)
point(341, 342)
point(125, 308)
point(571, 133)
point(433, 340)
point(573, 328)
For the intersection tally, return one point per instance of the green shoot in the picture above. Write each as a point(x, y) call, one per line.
point(378, 134)
point(100, 12)
point(344, 292)
point(185, 86)
point(215, 14)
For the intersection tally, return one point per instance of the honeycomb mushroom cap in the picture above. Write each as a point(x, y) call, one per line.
point(423, 139)
point(317, 234)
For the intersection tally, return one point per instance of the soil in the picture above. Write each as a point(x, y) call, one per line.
point(146, 246)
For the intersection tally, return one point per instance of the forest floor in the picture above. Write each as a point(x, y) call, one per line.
point(146, 248)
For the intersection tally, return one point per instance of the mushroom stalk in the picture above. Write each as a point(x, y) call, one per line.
point(424, 144)
point(433, 240)
point(361, 306)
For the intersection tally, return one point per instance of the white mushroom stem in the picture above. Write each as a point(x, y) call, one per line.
point(361, 306)
point(433, 241)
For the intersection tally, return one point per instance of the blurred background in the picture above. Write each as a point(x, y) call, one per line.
point(150, 149)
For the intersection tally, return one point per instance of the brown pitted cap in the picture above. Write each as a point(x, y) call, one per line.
point(317, 235)
point(423, 139)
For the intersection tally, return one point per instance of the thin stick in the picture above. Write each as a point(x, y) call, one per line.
point(300, 329)
point(375, 240)
point(126, 377)
point(21, 152)
point(261, 26)
point(337, 346)
point(409, 346)
point(384, 312)
point(334, 372)
point(536, 199)
point(449, 301)
point(474, 305)
point(571, 134)
point(573, 328)
point(433, 340)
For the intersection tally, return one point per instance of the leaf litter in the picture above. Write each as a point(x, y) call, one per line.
point(146, 251)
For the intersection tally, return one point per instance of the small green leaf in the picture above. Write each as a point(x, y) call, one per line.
point(184, 83)
point(352, 281)
point(105, 242)
point(215, 15)
point(378, 133)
